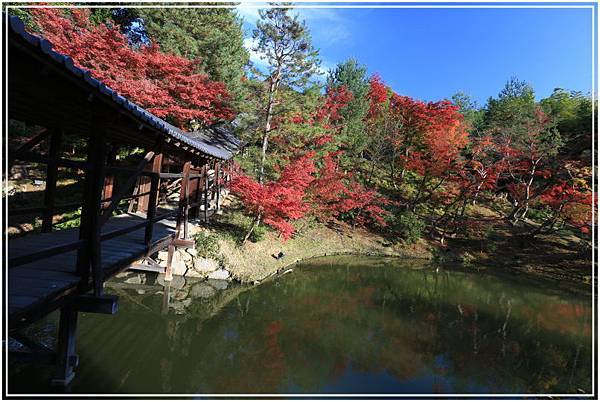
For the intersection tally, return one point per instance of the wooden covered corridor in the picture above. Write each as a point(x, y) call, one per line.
point(170, 176)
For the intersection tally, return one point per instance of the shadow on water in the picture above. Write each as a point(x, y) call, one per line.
point(334, 325)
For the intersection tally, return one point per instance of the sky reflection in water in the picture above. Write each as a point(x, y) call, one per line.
point(334, 325)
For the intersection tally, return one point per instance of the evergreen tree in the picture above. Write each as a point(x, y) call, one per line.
point(473, 115)
point(514, 106)
point(353, 76)
point(212, 35)
point(284, 43)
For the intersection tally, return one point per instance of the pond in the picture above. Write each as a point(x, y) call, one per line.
point(333, 325)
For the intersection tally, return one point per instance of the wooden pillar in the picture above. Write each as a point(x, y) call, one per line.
point(206, 192)
point(198, 194)
point(66, 359)
point(168, 268)
point(214, 180)
point(181, 217)
point(109, 180)
point(184, 199)
point(151, 214)
point(55, 147)
point(90, 225)
point(145, 183)
point(218, 184)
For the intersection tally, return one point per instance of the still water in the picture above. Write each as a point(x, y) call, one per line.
point(333, 325)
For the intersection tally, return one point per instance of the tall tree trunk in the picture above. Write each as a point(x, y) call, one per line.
point(528, 187)
point(265, 142)
point(255, 223)
point(403, 171)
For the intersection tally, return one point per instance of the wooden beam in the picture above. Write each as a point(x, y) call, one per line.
point(184, 243)
point(46, 252)
point(33, 157)
point(147, 268)
point(29, 145)
point(63, 373)
point(126, 187)
point(106, 304)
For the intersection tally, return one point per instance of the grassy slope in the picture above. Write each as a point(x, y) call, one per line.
point(254, 261)
point(553, 261)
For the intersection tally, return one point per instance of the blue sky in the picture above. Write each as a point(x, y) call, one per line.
point(432, 53)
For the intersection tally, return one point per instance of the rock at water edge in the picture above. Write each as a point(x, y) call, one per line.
point(218, 284)
point(205, 265)
point(221, 274)
point(203, 290)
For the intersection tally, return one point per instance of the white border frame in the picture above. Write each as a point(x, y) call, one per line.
point(304, 4)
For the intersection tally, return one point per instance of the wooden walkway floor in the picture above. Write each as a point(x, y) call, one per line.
point(37, 286)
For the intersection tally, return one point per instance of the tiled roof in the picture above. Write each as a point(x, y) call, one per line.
point(216, 142)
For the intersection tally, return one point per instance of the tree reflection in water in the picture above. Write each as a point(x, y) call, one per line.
point(338, 325)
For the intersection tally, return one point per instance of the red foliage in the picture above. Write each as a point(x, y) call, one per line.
point(378, 95)
point(278, 202)
point(336, 99)
point(443, 135)
point(301, 189)
point(328, 189)
point(570, 202)
point(165, 84)
point(334, 193)
point(366, 206)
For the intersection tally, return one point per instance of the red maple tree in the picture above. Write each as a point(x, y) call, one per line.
point(279, 202)
point(164, 84)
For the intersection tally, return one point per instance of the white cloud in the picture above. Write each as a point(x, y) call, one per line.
point(248, 10)
point(326, 24)
point(255, 57)
point(327, 27)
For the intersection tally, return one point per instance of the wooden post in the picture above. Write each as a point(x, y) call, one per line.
point(214, 180)
point(198, 194)
point(51, 177)
point(66, 359)
point(218, 184)
point(109, 180)
point(133, 201)
point(168, 268)
point(186, 208)
point(184, 193)
point(206, 192)
point(99, 164)
point(181, 217)
point(145, 182)
point(154, 182)
point(90, 226)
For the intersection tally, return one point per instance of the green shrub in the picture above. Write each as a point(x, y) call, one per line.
point(207, 246)
point(538, 214)
point(409, 226)
point(258, 234)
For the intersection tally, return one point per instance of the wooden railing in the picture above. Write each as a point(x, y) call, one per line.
point(88, 246)
point(194, 190)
